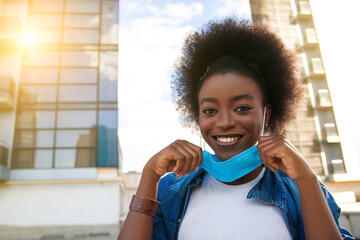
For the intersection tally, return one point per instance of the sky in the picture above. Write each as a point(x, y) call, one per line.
point(150, 39)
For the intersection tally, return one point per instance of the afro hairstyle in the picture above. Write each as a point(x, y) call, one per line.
point(253, 45)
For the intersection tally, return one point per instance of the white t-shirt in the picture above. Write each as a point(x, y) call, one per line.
point(220, 211)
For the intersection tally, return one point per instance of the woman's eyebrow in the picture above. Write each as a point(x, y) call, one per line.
point(233, 99)
point(208, 99)
point(242, 96)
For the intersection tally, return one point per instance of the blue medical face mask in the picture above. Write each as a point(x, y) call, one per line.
point(235, 167)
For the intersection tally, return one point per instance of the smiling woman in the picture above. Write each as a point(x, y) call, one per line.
point(234, 81)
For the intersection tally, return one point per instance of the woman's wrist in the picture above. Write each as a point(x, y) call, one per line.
point(308, 178)
point(150, 174)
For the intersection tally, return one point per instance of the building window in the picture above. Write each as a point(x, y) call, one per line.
point(46, 5)
point(76, 119)
point(78, 75)
point(76, 138)
point(67, 116)
point(108, 77)
point(82, 6)
point(81, 36)
point(81, 21)
point(79, 59)
point(77, 93)
point(37, 94)
point(36, 20)
point(38, 75)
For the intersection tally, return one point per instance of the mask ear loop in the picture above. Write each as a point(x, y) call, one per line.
point(264, 122)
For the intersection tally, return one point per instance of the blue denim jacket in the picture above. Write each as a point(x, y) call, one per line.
point(273, 188)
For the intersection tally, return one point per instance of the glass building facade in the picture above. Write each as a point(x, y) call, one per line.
point(67, 113)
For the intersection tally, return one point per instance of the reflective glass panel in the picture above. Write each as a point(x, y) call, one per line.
point(81, 59)
point(84, 36)
point(80, 75)
point(83, 6)
point(108, 77)
point(75, 138)
point(37, 93)
point(32, 138)
point(41, 36)
point(70, 158)
point(35, 75)
point(109, 22)
point(77, 93)
point(44, 20)
point(65, 158)
point(43, 158)
point(22, 159)
point(35, 119)
point(76, 119)
point(83, 21)
point(46, 5)
point(108, 139)
point(41, 58)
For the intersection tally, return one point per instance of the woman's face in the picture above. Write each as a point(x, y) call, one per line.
point(231, 113)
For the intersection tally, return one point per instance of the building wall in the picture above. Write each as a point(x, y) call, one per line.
point(60, 204)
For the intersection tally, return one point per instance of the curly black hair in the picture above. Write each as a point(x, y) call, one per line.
point(256, 51)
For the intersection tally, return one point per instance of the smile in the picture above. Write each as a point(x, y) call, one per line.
point(227, 140)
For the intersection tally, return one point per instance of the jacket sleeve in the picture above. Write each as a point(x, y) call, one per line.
point(159, 228)
point(335, 210)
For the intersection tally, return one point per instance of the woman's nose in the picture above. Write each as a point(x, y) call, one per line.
point(225, 120)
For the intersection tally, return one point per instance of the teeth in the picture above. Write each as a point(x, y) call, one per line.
point(227, 139)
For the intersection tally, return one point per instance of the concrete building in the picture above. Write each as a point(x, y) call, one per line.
point(314, 132)
point(59, 151)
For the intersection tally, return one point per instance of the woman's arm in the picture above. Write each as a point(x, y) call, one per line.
point(278, 153)
point(180, 157)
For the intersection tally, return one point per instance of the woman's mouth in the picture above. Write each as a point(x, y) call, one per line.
point(227, 140)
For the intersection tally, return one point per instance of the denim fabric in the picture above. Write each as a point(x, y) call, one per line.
point(273, 188)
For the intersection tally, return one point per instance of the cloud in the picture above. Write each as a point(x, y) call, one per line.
point(236, 7)
point(182, 11)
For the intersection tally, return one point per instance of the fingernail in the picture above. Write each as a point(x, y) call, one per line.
point(197, 168)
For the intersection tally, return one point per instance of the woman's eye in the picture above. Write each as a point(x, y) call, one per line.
point(243, 109)
point(209, 111)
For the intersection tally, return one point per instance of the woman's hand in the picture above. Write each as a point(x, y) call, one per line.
point(180, 157)
point(277, 152)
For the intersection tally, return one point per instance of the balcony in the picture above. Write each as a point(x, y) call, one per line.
point(310, 38)
point(324, 99)
point(331, 134)
point(317, 68)
point(304, 11)
point(10, 31)
point(7, 92)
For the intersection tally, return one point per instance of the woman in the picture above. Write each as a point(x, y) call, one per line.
point(234, 82)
